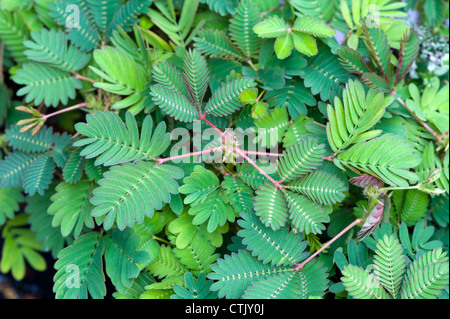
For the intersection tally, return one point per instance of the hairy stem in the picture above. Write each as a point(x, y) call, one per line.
point(425, 125)
point(203, 117)
point(80, 77)
point(243, 154)
point(346, 229)
point(248, 159)
point(78, 106)
point(261, 153)
point(210, 150)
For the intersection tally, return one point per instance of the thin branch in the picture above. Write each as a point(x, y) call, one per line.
point(248, 159)
point(80, 77)
point(203, 117)
point(425, 125)
point(261, 153)
point(78, 106)
point(210, 150)
point(2, 55)
point(346, 229)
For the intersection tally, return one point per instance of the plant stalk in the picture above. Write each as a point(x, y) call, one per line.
point(346, 229)
point(210, 150)
point(425, 125)
point(261, 153)
point(78, 106)
point(248, 159)
point(80, 77)
point(203, 117)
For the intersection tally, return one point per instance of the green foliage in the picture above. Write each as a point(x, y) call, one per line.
point(111, 141)
point(39, 78)
point(51, 47)
point(83, 259)
point(425, 277)
point(115, 64)
point(371, 157)
point(351, 118)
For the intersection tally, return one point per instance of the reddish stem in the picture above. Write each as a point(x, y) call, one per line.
point(300, 266)
point(243, 154)
point(203, 117)
point(163, 160)
point(248, 159)
point(425, 125)
point(78, 106)
point(80, 77)
point(261, 153)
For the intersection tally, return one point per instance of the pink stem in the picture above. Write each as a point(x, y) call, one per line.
point(425, 125)
point(203, 117)
point(163, 160)
point(78, 106)
point(261, 153)
point(80, 77)
point(300, 266)
point(248, 159)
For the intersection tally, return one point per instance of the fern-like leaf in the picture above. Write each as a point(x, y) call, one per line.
point(14, 32)
point(280, 286)
point(352, 61)
point(390, 264)
point(321, 187)
point(236, 272)
point(378, 46)
point(81, 261)
point(116, 64)
point(215, 210)
point(225, 100)
point(84, 32)
point(271, 27)
point(239, 194)
point(167, 264)
point(197, 75)
point(324, 74)
point(362, 285)
point(29, 143)
point(270, 206)
point(51, 46)
point(10, 198)
point(212, 42)
point(300, 159)
point(199, 185)
point(427, 276)
point(112, 142)
point(280, 248)
point(409, 49)
point(355, 114)
point(38, 175)
point(174, 104)
point(415, 206)
point(198, 255)
point(130, 192)
point(306, 215)
point(71, 208)
point(387, 157)
point(122, 256)
point(127, 14)
point(13, 166)
point(241, 28)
